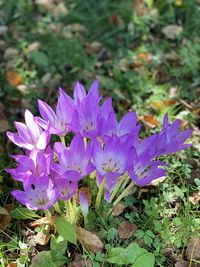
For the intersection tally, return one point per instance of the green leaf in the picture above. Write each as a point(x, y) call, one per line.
point(39, 58)
point(66, 230)
point(145, 260)
point(23, 213)
point(58, 246)
point(44, 259)
point(127, 255)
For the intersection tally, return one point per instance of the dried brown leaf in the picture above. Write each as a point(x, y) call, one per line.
point(12, 264)
point(3, 126)
point(5, 217)
point(80, 262)
point(193, 248)
point(13, 78)
point(93, 47)
point(88, 240)
point(181, 264)
point(118, 209)
point(172, 31)
point(195, 198)
point(126, 230)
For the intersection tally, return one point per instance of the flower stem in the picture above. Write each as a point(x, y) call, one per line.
point(70, 215)
point(122, 179)
point(126, 181)
point(57, 207)
point(49, 216)
point(62, 138)
point(126, 192)
point(99, 195)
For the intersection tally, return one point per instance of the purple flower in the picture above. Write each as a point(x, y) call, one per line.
point(80, 93)
point(38, 194)
point(59, 122)
point(143, 170)
point(30, 135)
point(126, 128)
point(37, 164)
point(86, 117)
point(170, 139)
point(66, 188)
point(83, 203)
point(74, 162)
point(111, 161)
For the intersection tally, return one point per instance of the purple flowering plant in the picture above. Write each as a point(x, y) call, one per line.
point(102, 147)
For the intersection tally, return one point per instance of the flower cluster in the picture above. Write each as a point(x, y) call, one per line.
point(100, 144)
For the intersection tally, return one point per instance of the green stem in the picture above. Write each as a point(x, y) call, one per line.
point(69, 212)
point(126, 192)
point(122, 179)
point(49, 216)
point(62, 138)
point(126, 181)
point(57, 207)
point(99, 195)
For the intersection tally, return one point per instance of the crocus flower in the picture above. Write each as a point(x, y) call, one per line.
point(171, 139)
point(87, 117)
point(111, 161)
point(126, 128)
point(80, 93)
point(73, 162)
point(30, 135)
point(37, 163)
point(38, 194)
point(66, 188)
point(144, 170)
point(167, 141)
point(59, 122)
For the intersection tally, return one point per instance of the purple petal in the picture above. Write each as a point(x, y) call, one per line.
point(83, 203)
point(79, 92)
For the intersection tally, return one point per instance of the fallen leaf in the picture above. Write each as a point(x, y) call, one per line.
point(12, 264)
point(4, 126)
point(140, 7)
point(195, 198)
point(93, 47)
point(39, 222)
point(181, 264)
point(76, 27)
point(145, 56)
point(156, 182)
point(10, 53)
point(193, 249)
point(33, 46)
point(13, 78)
point(88, 193)
point(59, 10)
point(116, 20)
point(3, 29)
point(5, 217)
point(126, 230)
point(41, 238)
point(89, 241)
point(149, 121)
point(172, 31)
point(160, 105)
point(80, 262)
point(118, 209)
point(173, 92)
point(178, 2)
